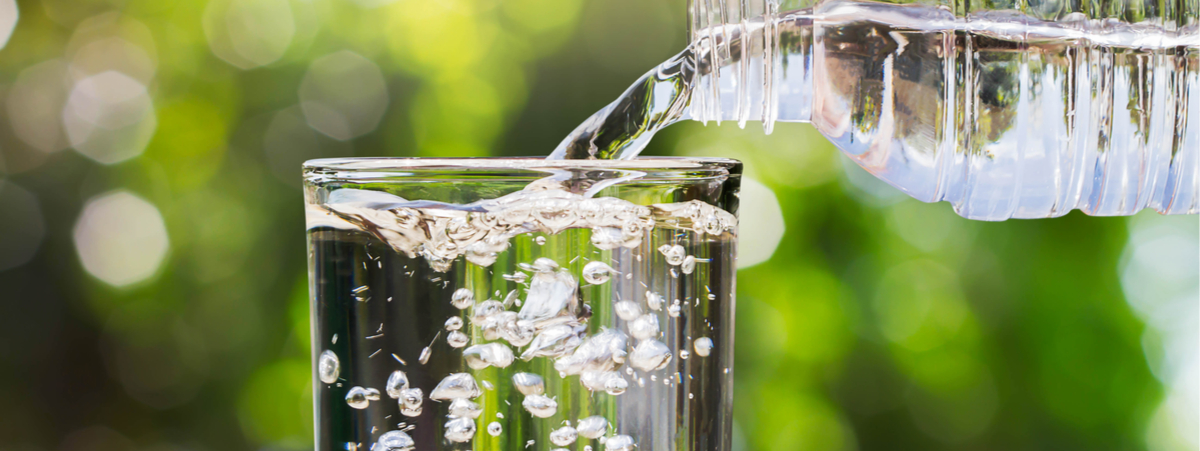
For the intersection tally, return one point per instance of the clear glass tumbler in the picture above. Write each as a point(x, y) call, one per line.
point(522, 304)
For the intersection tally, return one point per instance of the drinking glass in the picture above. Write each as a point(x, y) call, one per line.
point(522, 304)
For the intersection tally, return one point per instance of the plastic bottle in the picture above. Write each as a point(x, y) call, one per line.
point(1024, 109)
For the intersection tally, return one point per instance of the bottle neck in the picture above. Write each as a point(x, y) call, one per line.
point(753, 62)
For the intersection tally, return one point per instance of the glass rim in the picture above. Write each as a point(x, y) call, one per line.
point(377, 168)
point(484, 163)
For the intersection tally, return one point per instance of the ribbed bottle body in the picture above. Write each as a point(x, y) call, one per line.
point(1027, 110)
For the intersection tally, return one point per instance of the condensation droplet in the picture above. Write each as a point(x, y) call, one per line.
point(328, 367)
point(703, 346)
point(462, 298)
point(597, 273)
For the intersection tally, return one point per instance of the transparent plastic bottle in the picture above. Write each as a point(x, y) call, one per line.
point(1006, 109)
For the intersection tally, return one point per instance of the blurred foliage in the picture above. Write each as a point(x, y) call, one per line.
point(879, 323)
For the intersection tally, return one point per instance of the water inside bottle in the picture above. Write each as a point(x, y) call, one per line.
point(1002, 114)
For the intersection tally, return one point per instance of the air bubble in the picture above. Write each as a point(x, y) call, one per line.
point(510, 299)
point(544, 265)
point(495, 429)
point(597, 273)
point(674, 254)
point(454, 386)
point(540, 406)
point(619, 443)
point(465, 408)
point(425, 354)
point(357, 397)
point(540, 240)
point(518, 277)
point(485, 310)
point(410, 402)
point(592, 427)
point(650, 355)
point(596, 380)
point(683, 354)
point(328, 367)
point(394, 441)
point(645, 327)
point(654, 301)
point(457, 339)
point(615, 385)
point(563, 436)
point(688, 265)
point(454, 323)
point(703, 346)
point(529, 384)
point(460, 430)
point(396, 384)
point(674, 310)
point(479, 357)
point(601, 352)
point(517, 333)
point(627, 310)
point(554, 341)
point(462, 298)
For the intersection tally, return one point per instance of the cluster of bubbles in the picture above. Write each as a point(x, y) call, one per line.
point(549, 322)
point(481, 230)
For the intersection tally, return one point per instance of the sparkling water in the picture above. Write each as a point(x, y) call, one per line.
point(537, 319)
point(1023, 111)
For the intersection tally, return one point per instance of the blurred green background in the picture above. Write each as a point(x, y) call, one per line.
point(152, 262)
